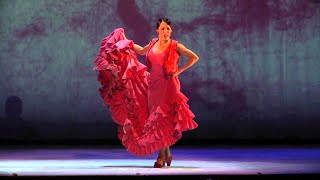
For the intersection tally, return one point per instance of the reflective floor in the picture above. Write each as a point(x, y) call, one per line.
point(196, 161)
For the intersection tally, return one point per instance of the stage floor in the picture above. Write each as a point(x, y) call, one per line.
point(116, 161)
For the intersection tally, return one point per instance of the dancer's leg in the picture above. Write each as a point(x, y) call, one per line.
point(161, 159)
point(167, 152)
point(162, 153)
point(168, 156)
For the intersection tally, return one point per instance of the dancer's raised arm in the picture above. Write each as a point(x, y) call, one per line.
point(141, 50)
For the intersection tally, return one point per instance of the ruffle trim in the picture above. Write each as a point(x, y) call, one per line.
point(123, 79)
point(163, 128)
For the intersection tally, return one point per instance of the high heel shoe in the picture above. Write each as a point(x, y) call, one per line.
point(168, 160)
point(159, 163)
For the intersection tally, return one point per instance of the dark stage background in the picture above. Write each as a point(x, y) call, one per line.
point(257, 78)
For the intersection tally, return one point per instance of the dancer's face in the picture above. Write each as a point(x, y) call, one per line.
point(164, 31)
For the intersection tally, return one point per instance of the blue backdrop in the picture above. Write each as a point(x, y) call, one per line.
point(257, 77)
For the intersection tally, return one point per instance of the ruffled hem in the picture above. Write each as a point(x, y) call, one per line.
point(176, 118)
point(123, 79)
point(154, 136)
point(124, 92)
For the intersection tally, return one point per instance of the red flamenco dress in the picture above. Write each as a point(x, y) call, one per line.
point(147, 106)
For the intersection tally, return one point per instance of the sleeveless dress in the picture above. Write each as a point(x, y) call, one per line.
point(146, 103)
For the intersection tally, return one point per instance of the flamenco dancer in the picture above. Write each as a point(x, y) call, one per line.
point(145, 101)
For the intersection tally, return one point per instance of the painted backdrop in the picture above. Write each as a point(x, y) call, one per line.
point(258, 75)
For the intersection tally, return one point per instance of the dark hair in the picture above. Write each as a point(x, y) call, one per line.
point(166, 20)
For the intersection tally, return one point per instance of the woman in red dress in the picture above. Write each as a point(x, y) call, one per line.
point(146, 101)
point(164, 87)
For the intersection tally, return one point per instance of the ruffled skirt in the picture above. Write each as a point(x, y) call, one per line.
point(150, 115)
